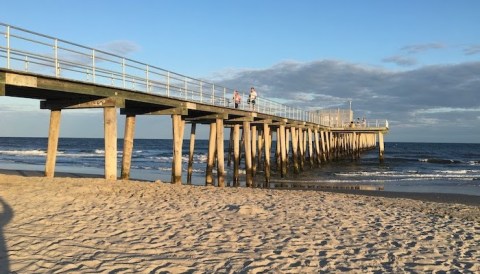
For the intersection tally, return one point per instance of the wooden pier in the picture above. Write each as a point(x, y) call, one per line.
point(304, 139)
point(308, 144)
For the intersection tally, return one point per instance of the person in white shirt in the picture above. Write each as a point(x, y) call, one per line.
point(252, 97)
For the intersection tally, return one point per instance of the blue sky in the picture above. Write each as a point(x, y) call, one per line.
point(415, 63)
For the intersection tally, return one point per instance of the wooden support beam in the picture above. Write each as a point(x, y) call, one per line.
point(2, 84)
point(328, 149)
point(191, 153)
point(323, 140)
point(236, 155)
point(353, 142)
point(211, 154)
point(294, 134)
point(268, 145)
point(214, 117)
point(262, 121)
point(310, 146)
point(240, 119)
point(261, 142)
point(82, 103)
point(220, 154)
point(128, 138)
point(53, 134)
point(278, 154)
point(317, 147)
point(254, 150)
point(287, 145)
point(178, 127)
point(230, 148)
point(301, 148)
point(359, 144)
point(154, 111)
point(12, 78)
point(110, 136)
point(248, 154)
point(381, 148)
point(283, 151)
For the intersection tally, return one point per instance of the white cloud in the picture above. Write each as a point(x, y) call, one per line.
point(442, 96)
point(120, 47)
point(446, 110)
point(417, 48)
point(400, 60)
point(472, 49)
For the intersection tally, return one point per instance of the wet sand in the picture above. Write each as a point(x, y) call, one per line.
point(77, 225)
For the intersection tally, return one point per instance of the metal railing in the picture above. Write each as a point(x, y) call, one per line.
point(25, 50)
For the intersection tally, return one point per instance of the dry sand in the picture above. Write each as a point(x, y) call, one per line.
point(80, 225)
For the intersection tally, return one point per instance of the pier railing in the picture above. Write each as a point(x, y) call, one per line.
point(25, 50)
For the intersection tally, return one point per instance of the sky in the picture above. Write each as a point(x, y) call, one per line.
point(414, 63)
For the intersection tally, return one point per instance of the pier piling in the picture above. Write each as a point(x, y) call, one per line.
point(53, 134)
point(220, 153)
point(211, 154)
point(248, 153)
point(268, 144)
point(178, 126)
point(236, 155)
point(191, 153)
point(128, 145)
point(110, 132)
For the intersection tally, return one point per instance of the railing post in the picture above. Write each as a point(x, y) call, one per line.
point(186, 88)
point(123, 73)
point(55, 52)
point(201, 92)
point(148, 85)
point(26, 63)
point(224, 97)
point(8, 47)
point(93, 66)
point(168, 83)
point(213, 94)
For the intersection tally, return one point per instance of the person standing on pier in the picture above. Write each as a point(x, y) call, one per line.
point(237, 99)
point(251, 98)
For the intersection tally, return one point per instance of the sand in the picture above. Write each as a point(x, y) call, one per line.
point(82, 225)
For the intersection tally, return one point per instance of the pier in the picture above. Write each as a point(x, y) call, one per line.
point(64, 75)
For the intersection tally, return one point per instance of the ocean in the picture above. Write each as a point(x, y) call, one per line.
point(407, 167)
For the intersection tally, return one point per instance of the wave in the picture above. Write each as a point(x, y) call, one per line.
point(474, 163)
point(34, 152)
point(439, 161)
point(200, 158)
point(415, 175)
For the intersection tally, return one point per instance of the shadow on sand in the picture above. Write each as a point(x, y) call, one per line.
point(5, 217)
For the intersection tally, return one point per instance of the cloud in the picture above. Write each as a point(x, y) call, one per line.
point(83, 56)
point(431, 103)
point(441, 95)
point(120, 47)
point(401, 60)
point(417, 48)
point(472, 49)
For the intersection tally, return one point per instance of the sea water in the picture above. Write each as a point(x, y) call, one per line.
point(411, 167)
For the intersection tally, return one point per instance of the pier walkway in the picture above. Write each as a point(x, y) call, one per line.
point(65, 75)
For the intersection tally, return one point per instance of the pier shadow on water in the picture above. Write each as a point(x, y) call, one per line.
point(6, 214)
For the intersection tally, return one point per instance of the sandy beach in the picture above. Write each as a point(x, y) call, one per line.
point(85, 225)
